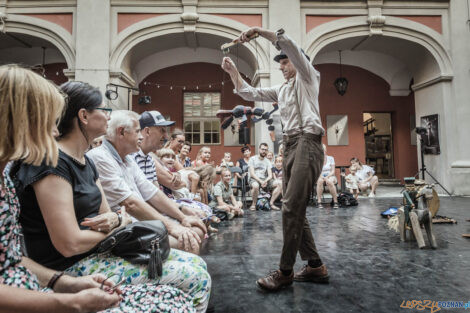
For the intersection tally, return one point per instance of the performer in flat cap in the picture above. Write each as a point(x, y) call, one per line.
point(303, 154)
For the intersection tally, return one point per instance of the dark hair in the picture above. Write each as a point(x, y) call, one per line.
point(244, 148)
point(177, 132)
point(355, 160)
point(80, 96)
point(187, 143)
point(263, 144)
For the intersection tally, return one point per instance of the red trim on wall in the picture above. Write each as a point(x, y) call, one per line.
point(64, 20)
point(312, 21)
point(125, 20)
point(250, 20)
point(433, 22)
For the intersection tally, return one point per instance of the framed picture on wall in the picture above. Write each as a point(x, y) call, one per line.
point(431, 136)
point(337, 130)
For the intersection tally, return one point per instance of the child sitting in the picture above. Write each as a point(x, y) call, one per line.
point(189, 178)
point(352, 182)
point(224, 200)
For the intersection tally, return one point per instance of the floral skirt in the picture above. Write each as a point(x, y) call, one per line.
point(183, 270)
point(150, 298)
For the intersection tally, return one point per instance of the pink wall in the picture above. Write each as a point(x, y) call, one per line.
point(367, 93)
point(247, 19)
point(63, 19)
point(312, 21)
point(125, 20)
point(434, 22)
point(170, 102)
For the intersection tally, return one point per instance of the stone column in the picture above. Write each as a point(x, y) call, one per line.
point(93, 42)
point(457, 136)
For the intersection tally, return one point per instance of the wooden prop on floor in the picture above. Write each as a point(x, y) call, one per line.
point(419, 206)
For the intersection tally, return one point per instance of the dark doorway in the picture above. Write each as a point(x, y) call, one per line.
point(379, 143)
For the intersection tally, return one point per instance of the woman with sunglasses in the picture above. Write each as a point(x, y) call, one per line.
point(29, 108)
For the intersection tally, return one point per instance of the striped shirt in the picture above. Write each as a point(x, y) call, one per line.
point(146, 164)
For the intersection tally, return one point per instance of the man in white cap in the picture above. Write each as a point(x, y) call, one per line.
point(124, 184)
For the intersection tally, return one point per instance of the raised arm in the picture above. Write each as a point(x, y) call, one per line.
point(244, 90)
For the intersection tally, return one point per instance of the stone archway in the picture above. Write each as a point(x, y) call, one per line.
point(419, 52)
point(35, 27)
point(208, 25)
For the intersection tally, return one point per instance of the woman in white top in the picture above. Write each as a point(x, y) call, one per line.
point(366, 176)
point(327, 177)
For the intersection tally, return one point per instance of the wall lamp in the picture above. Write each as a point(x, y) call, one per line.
point(112, 92)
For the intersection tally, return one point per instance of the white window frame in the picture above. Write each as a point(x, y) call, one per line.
point(201, 119)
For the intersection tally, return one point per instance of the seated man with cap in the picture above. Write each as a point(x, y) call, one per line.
point(125, 184)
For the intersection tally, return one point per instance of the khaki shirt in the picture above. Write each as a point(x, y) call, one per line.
point(220, 190)
point(304, 88)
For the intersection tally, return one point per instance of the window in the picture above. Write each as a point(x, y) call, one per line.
point(200, 124)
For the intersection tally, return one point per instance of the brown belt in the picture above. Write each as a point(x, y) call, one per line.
point(288, 138)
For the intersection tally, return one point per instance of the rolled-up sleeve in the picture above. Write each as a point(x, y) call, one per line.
point(296, 56)
point(250, 93)
point(114, 186)
point(146, 188)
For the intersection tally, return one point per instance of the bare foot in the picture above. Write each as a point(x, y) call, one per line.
point(211, 229)
point(252, 208)
point(274, 207)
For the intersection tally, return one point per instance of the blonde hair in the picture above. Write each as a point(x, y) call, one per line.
point(199, 153)
point(205, 172)
point(29, 108)
point(166, 152)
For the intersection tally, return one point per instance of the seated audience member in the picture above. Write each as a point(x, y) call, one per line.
point(153, 130)
point(223, 196)
point(260, 173)
point(277, 182)
point(124, 184)
point(31, 102)
point(243, 165)
point(206, 178)
point(183, 156)
point(203, 157)
point(328, 178)
point(353, 181)
point(270, 157)
point(227, 160)
point(366, 177)
point(168, 159)
point(176, 143)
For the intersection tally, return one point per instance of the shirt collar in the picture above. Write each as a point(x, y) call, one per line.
point(109, 146)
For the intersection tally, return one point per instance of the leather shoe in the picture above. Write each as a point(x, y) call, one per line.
point(313, 274)
point(275, 281)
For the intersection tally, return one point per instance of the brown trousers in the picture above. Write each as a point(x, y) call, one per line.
point(301, 167)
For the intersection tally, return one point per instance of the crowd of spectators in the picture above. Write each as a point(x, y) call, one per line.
point(73, 171)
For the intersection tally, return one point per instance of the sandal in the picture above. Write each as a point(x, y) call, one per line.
point(320, 206)
point(336, 205)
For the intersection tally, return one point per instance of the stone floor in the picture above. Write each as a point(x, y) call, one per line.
point(370, 269)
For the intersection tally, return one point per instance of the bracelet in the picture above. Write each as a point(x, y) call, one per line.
point(54, 279)
point(119, 219)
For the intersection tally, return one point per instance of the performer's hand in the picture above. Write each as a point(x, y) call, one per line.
point(245, 36)
point(228, 65)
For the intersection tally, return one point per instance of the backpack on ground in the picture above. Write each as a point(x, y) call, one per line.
point(346, 199)
point(263, 204)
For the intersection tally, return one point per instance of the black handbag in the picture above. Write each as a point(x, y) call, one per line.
point(142, 242)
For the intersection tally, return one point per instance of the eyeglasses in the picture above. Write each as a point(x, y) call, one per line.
point(107, 111)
